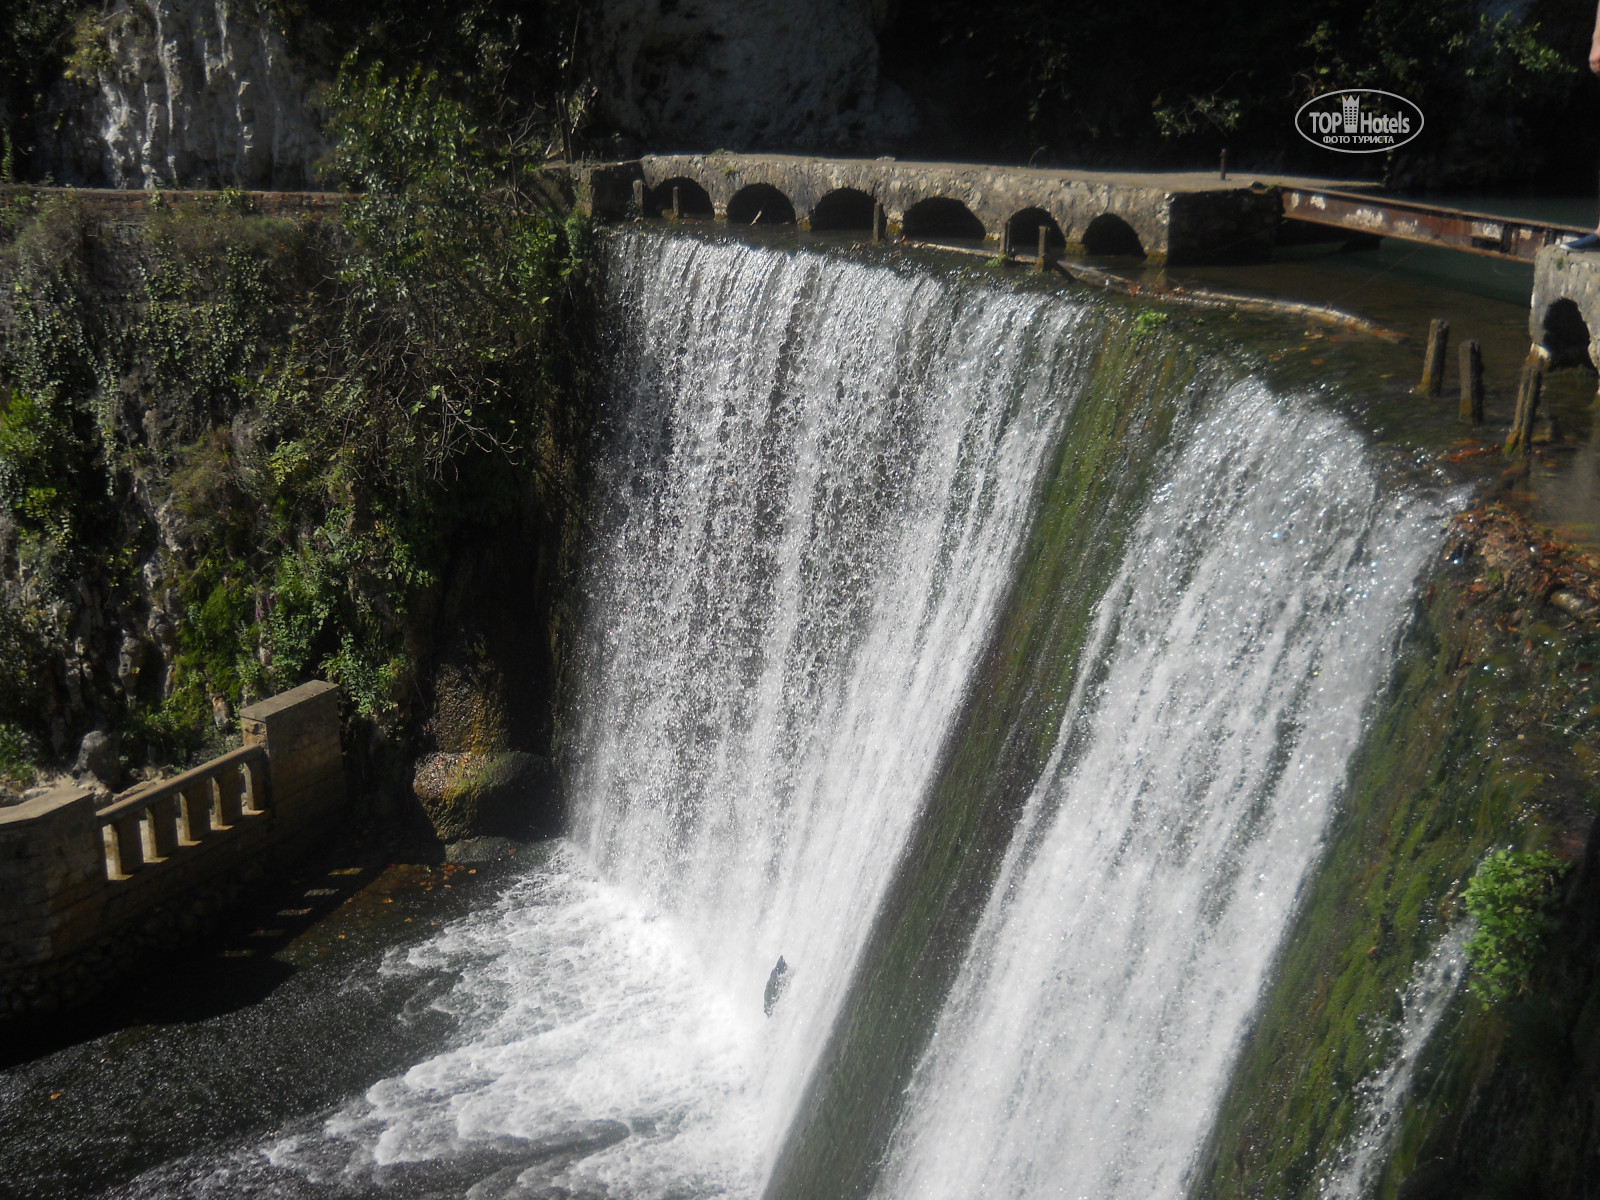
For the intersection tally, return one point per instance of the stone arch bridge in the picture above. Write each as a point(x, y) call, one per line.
point(1180, 217)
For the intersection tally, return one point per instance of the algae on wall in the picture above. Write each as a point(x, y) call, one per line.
point(1134, 384)
point(1489, 737)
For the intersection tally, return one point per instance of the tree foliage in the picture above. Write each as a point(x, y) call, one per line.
point(279, 442)
point(1158, 80)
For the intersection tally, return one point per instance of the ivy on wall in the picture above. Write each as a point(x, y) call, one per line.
point(235, 449)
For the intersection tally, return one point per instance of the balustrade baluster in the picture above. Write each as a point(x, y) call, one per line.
point(197, 811)
point(128, 843)
point(162, 825)
point(230, 797)
point(255, 785)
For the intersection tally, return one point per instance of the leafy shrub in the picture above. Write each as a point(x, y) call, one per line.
point(18, 755)
point(1513, 897)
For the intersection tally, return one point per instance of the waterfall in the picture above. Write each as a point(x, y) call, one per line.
point(815, 511)
point(822, 477)
point(1089, 1033)
point(1433, 985)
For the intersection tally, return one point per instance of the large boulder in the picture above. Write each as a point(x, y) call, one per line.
point(98, 758)
point(476, 794)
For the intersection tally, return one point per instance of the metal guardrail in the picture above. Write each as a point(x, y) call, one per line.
point(1452, 228)
point(157, 821)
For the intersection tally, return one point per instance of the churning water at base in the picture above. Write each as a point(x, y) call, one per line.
point(808, 519)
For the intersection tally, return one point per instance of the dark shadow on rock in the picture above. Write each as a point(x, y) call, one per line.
point(473, 794)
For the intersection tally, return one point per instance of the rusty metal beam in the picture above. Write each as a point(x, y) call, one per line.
point(1452, 228)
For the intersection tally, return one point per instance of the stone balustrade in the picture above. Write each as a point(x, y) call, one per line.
point(72, 873)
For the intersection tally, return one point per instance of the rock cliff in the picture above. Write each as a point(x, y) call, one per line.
point(181, 93)
point(739, 74)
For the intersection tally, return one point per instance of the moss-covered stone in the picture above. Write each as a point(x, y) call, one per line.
point(1488, 738)
point(474, 794)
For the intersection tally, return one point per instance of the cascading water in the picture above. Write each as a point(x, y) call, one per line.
point(811, 518)
point(807, 522)
point(1433, 985)
point(1152, 874)
point(824, 473)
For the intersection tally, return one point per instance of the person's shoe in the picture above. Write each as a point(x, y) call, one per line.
point(1589, 241)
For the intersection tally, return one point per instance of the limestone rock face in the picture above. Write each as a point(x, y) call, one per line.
point(743, 74)
point(183, 93)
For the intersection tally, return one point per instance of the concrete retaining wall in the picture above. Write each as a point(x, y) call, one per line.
point(77, 881)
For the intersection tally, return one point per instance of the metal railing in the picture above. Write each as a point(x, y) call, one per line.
point(159, 821)
point(1452, 228)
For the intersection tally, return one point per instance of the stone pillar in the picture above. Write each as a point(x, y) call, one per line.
point(52, 867)
point(299, 730)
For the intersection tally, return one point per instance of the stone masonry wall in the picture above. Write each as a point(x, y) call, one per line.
point(68, 928)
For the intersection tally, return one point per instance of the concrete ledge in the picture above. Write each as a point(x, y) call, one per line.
point(74, 877)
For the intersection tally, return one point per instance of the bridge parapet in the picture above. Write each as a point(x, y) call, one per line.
point(1175, 218)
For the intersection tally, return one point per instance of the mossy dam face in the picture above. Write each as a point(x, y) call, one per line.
point(1100, 737)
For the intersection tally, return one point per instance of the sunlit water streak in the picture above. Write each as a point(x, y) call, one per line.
point(1433, 985)
point(1088, 1038)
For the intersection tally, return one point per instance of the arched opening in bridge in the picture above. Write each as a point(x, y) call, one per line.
point(693, 200)
point(1566, 334)
point(760, 204)
point(941, 217)
point(843, 208)
point(1023, 231)
point(1109, 234)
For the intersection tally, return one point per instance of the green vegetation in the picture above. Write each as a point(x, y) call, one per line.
point(1148, 321)
point(251, 455)
point(1151, 82)
point(1488, 739)
point(1513, 897)
point(17, 756)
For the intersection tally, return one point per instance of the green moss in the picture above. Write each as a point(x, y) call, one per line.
point(1513, 898)
point(1486, 739)
point(1111, 443)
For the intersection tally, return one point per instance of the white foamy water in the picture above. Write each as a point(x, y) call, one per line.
point(807, 522)
point(807, 519)
point(1433, 985)
point(1086, 1043)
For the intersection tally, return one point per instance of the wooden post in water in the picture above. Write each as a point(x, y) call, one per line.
point(1224, 171)
point(1044, 235)
point(677, 212)
point(1433, 360)
point(1528, 392)
point(1471, 383)
point(878, 223)
point(638, 197)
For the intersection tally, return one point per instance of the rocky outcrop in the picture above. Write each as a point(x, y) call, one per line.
point(181, 93)
point(473, 794)
point(741, 74)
